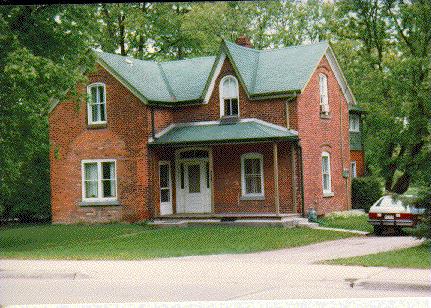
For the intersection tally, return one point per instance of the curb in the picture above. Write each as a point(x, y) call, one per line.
point(343, 230)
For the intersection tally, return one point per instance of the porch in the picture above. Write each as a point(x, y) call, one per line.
point(226, 172)
point(232, 219)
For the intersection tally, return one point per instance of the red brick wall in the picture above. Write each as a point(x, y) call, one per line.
point(358, 156)
point(331, 135)
point(227, 178)
point(124, 139)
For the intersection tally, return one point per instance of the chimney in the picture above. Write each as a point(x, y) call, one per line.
point(244, 41)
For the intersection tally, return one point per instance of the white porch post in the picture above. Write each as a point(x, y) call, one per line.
point(211, 174)
point(294, 178)
point(276, 192)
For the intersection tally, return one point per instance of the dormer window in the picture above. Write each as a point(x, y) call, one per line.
point(324, 102)
point(96, 103)
point(229, 96)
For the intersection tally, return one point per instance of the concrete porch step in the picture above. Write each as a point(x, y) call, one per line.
point(227, 216)
point(287, 221)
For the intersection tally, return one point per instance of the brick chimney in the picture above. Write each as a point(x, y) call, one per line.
point(244, 41)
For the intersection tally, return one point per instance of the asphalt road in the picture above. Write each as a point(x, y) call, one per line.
point(275, 275)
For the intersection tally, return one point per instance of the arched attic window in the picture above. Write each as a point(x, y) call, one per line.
point(229, 96)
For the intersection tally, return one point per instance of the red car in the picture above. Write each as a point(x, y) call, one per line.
point(393, 212)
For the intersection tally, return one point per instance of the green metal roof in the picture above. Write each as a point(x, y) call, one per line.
point(276, 70)
point(243, 131)
point(262, 72)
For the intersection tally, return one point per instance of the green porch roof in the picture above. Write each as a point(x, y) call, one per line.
point(262, 72)
point(356, 108)
point(209, 133)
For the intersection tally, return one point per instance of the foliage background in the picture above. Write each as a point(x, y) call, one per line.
point(382, 46)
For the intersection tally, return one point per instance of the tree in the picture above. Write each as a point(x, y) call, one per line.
point(389, 69)
point(44, 53)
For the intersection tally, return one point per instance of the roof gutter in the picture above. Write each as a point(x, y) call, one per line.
point(289, 95)
point(237, 141)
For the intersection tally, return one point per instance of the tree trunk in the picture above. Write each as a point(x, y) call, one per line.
point(402, 184)
point(110, 28)
point(141, 47)
point(121, 19)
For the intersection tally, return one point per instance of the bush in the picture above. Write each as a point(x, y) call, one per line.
point(424, 201)
point(365, 191)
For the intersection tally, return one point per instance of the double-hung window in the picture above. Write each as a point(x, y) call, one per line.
point(96, 103)
point(353, 168)
point(324, 102)
point(354, 122)
point(326, 173)
point(252, 175)
point(99, 180)
point(229, 96)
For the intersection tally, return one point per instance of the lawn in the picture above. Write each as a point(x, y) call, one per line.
point(353, 222)
point(130, 241)
point(414, 257)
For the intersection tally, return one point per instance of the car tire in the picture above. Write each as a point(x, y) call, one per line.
point(378, 230)
point(398, 231)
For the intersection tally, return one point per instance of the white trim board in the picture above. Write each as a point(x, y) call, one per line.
point(214, 77)
point(342, 81)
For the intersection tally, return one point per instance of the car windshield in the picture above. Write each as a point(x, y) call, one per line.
point(391, 201)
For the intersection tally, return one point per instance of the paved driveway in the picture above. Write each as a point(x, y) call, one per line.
point(281, 274)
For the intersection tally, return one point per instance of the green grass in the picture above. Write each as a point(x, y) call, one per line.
point(414, 257)
point(122, 241)
point(351, 222)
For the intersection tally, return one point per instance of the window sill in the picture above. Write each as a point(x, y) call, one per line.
point(328, 194)
point(99, 203)
point(325, 115)
point(97, 125)
point(252, 198)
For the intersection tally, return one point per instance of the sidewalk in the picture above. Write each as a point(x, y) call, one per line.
point(282, 274)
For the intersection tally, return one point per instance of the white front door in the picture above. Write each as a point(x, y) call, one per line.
point(196, 192)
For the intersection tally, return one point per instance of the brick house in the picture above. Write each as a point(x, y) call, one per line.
point(258, 132)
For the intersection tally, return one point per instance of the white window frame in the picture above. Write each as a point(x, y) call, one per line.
point(323, 91)
point(243, 181)
point(222, 98)
point(326, 191)
point(89, 101)
point(353, 168)
point(99, 179)
point(355, 120)
point(168, 163)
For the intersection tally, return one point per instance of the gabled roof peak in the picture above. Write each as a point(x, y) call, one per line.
point(280, 72)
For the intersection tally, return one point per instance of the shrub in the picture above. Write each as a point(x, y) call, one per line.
point(424, 201)
point(365, 191)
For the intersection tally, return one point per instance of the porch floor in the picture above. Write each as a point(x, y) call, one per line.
point(232, 219)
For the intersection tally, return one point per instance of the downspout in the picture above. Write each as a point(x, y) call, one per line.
point(342, 155)
point(153, 130)
point(301, 166)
